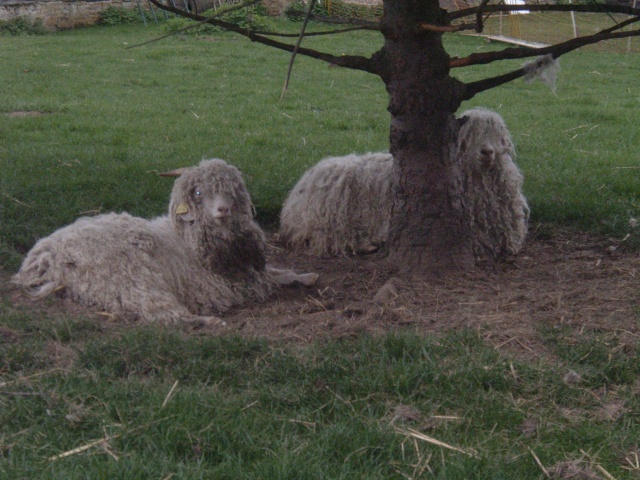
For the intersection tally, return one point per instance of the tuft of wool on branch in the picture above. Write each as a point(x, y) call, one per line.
point(544, 68)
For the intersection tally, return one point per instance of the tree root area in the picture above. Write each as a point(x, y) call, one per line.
point(571, 281)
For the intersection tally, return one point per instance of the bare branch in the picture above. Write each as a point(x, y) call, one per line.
point(297, 47)
point(446, 28)
point(162, 37)
point(620, 25)
point(479, 22)
point(366, 24)
point(355, 62)
point(492, 11)
point(196, 25)
point(308, 34)
point(473, 88)
point(556, 50)
point(581, 8)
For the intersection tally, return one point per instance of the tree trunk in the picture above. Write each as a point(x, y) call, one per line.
point(429, 232)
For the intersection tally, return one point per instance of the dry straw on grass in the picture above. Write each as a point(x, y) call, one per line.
point(434, 441)
point(101, 442)
point(170, 394)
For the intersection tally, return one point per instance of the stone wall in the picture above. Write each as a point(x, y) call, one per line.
point(277, 7)
point(57, 14)
point(369, 3)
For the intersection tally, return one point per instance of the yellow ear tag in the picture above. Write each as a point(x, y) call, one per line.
point(181, 209)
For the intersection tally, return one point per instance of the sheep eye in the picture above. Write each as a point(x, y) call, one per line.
point(197, 193)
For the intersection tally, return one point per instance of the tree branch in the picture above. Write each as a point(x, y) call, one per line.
point(473, 88)
point(366, 24)
point(446, 28)
point(355, 62)
point(196, 25)
point(620, 25)
point(479, 22)
point(295, 50)
point(308, 34)
point(580, 8)
point(556, 50)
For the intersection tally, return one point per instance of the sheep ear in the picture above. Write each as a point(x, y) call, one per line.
point(182, 212)
point(175, 173)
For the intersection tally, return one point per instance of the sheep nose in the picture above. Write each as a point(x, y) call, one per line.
point(487, 151)
point(220, 206)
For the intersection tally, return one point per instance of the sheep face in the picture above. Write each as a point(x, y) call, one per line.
point(485, 132)
point(211, 194)
point(218, 206)
point(221, 208)
point(211, 210)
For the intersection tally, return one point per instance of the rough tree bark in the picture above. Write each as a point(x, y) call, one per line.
point(429, 232)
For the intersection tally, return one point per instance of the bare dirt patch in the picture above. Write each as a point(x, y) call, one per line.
point(572, 281)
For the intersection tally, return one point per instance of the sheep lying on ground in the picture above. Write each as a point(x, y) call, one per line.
point(206, 256)
point(343, 204)
point(493, 185)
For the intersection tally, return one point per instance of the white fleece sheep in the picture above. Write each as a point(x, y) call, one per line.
point(493, 185)
point(343, 204)
point(204, 257)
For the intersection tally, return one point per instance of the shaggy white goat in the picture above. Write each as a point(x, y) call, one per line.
point(206, 256)
point(493, 184)
point(343, 204)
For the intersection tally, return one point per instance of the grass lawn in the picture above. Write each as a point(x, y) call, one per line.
point(84, 399)
point(113, 116)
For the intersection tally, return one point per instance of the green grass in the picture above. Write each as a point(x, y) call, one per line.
point(249, 408)
point(203, 407)
point(114, 116)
